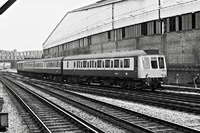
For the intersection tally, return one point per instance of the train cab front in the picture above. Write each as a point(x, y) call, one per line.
point(152, 70)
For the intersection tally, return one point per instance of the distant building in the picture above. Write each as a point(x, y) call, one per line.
point(170, 26)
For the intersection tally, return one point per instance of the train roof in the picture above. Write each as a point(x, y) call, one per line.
point(44, 59)
point(107, 55)
point(50, 59)
point(93, 56)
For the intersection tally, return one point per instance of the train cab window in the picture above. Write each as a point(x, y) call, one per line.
point(98, 63)
point(126, 63)
point(116, 63)
point(161, 62)
point(154, 63)
point(146, 62)
point(84, 64)
point(107, 65)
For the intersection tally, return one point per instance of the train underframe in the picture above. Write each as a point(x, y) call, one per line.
point(127, 83)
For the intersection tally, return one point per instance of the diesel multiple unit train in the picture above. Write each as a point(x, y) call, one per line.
point(132, 69)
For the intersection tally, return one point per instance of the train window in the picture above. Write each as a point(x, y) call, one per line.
point(92, 64)
point(60, 64)
point(116, 63)
point(121, 64)
point(154, 64)
point(111, 63)
point(95, 64)
point(146, 62)
point(161, 62)
point(126, 63)
point(52, 64)
point(84, 64)
point(98, 63)
point(56, 64)
point(81, 64)
point(103, 63)
point(88, 64)
point(107, 65)
point(68, 64)
point(78, 64)
point(74, 64)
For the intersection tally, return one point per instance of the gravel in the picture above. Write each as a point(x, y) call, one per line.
point(103, 125)
point(16, 124)
point(177, 117)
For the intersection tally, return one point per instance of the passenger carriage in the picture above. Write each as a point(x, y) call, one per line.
point(132, 69)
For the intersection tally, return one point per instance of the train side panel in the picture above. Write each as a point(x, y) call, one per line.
point(116, 68)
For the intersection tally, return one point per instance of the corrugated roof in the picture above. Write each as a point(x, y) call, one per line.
point(97, 4)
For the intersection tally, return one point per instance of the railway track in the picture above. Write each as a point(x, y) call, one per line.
point(130, 120)
point(181, 102)
point(41, 115)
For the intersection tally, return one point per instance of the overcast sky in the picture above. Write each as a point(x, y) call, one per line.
point(27, 23)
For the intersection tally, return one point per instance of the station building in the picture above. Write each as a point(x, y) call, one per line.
point(170, 26)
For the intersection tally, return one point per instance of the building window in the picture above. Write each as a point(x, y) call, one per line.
point(187, 22)
point(144, 29)
point(193, 21)
point(172, 24)
point(180, 22)
point(197, 19)
point(123, 33)
point(89, 40)
point(154, 27)
point(83, 40)
point(109, 35)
